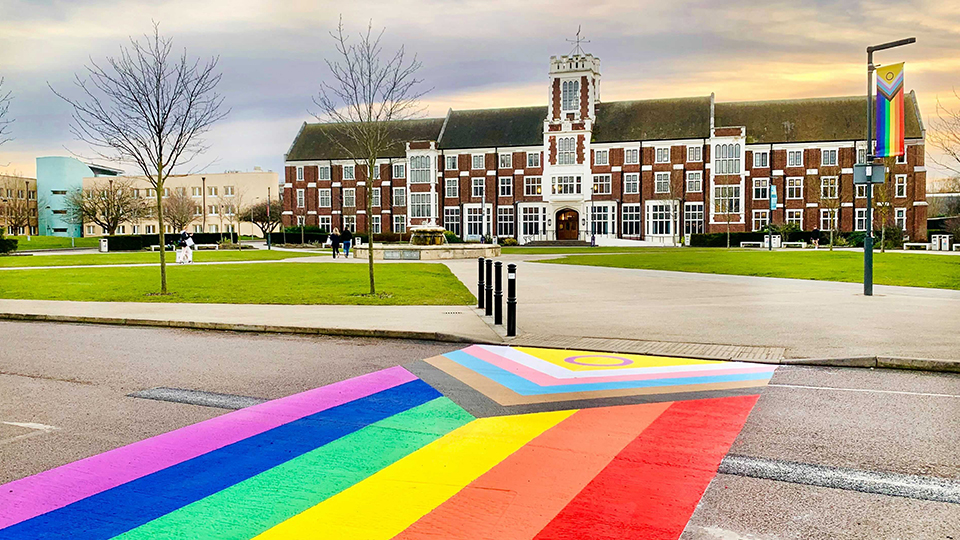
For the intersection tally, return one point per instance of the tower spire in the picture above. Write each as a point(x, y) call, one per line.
point(577, 49)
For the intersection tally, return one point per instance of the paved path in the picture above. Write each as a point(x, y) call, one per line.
point(808, 318)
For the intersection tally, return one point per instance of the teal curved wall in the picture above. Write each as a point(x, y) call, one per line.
point(58, 174)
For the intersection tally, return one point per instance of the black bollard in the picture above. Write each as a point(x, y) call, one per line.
point(511, 300)
point(480, 284)
point(498, 293)
point(488, 302)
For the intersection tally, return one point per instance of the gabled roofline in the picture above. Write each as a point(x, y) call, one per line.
point(444, 126)
point(290, 148)
point(916, 109)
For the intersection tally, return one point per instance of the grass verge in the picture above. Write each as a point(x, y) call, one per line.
point(320, 283)
point(53, 242)
point(141, 257)
point(905, 269)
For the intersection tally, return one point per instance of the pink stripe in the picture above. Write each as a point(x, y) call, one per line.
point(544, 379)
point(29, 497)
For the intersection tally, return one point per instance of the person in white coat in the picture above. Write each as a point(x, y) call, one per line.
point(188, 249)
point(182, 244)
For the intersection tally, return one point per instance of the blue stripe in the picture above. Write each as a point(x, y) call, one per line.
point(527, 388)
point(130, 505)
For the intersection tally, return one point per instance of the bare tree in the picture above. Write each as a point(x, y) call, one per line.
point(107, 203)
point(179, 209)
point(5, 121)
point(831, 197)
point(18, 209)
point(677, 192)
point(266, 221)
point(149, 108)
point(883, 198)
point(945, 135)
point(369, 92)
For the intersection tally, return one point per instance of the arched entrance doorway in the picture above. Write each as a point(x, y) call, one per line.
point(568, 225)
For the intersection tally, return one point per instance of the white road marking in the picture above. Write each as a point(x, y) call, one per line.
point(925, 394)
point(38, 429)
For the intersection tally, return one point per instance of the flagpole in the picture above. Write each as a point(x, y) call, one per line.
point(868, 239)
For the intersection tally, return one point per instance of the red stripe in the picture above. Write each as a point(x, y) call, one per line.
point(652, 487)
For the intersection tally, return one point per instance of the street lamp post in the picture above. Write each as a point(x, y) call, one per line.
point(868, 239)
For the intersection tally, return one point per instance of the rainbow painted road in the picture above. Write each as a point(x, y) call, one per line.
point(387, 455)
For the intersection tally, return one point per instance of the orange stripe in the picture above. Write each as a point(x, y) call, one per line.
point(523, 493)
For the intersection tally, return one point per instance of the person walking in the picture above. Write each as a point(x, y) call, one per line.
point(188, 249)
point(346, 238)
point(182, 244)
point(335, 242)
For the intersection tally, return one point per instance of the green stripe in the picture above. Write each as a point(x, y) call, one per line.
point(260, 502)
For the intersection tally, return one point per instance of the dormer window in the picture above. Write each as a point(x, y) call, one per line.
point(570, 98)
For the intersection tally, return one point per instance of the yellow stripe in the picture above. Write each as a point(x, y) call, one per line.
point(391, 500)
point(599, 361)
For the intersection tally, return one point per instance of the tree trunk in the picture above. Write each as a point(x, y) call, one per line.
point(728, 231)
point(370, 165)
point(831, 239)
point(883, 236)
point(160, 230)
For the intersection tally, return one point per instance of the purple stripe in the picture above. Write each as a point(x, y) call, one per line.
point(41, 493)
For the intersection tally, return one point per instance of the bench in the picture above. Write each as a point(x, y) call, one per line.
point(916, 245)
point(956, 247)
point(751, 244)
point(156, 247)
point(800, 244)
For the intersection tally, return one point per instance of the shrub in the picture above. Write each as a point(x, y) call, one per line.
point(452, 237)
point(7, 245)
point(307, 229)
point(720, 239)
point(509, 242)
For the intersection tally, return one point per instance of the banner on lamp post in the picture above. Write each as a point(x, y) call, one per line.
point(890, 114)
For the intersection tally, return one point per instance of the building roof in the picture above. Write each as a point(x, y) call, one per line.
point(809, 120)
point(652, 119)
point(487, 128)
point(315, 141)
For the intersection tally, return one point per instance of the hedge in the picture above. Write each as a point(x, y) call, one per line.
point(136, 242)
point(295, 237)
point(8, 245)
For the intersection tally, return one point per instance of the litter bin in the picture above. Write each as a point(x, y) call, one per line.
point(941, 242)
point(104, 245)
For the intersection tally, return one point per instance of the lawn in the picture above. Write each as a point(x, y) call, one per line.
point(143, 257)
point(53, 242)
point(280, 283)
point(907, 269)
point(561, 250)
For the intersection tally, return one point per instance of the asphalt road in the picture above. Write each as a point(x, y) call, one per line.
point(63, 397)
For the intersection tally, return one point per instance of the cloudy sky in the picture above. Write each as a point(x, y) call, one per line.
point(475, 54)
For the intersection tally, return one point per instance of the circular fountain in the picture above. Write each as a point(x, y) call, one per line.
point(427, 243)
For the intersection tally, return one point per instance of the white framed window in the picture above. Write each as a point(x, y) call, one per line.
point(506, 186)
point(476, 220)
point(350, 223)
point(212, 228)
point(477, 162)
point(795, 217)
point(229, 210)
point(323, 172)
point(630, 220)
point(532, 186)
point(828, 187)
point(530, 218)
point(451, 187)
point(760, 219)
point(90, 229)
point(600, 220)
point(795, 188)
point(566, 185)
point(477, 184)
point(861, 155)
point(451, 220)
point(299, 173)
point(150, 229)
point(301, 220)
point(420, 206)
point(694, 181)
point(136, 229)
point(212, 210)
point(566, 151)
point(828, 219)
point(663, 154)
point(349, 197)
point(900, 218)
point(399, 170)
point(300, 198)
point(901, 159)
point(375, 226)
point(828, 157)
point(694, 153)
point(661, 182)
point(602, 184)
point(198, 210)
point(862, 190)
point(506, 161)
point(399, 196)
point(570, 96)
point(400, 224)
point(660, 218)
point(726, 199)
point(504, 221)
point(601, 157)
point(376, 197)
point(631, 183)
point(761, 159)
point(166, 192)
point(450, 163)
point(631, 156)
point(693, 218)
point(195, 191)
point(860, 219)
point(121, 229)
point(376, 172)
point(794, 158)
point(419, 169)
point(325, 223)
point(533, 160)
point(761, 188)
point(900, 184)
point(324, 198)
point(198, 228)
point(727, 159)
point(349, 172)
point(228, 191)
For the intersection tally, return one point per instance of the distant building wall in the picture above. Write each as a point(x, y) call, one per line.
point(57, 176)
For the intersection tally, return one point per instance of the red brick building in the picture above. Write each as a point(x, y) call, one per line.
point(621, 170)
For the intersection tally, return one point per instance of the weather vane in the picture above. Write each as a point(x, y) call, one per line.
point(577, 49)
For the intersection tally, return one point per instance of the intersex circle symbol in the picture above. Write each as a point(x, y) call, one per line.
point(576, 360)
point(888, 76)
